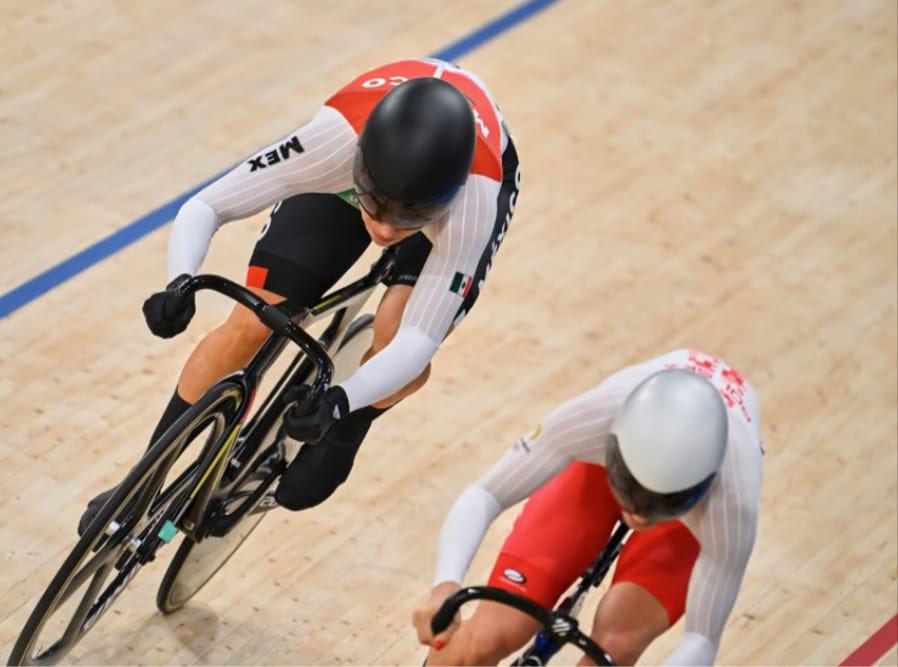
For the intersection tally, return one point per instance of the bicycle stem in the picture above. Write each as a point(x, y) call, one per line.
point(559, 626)
point(544, 646)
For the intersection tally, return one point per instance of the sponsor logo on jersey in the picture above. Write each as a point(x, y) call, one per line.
point(461, 284)
point(283, 152)
point(729, 382)
point(479, 121)
point(534, 434)
point(350, 196)
point(514, 576)
point(561, 626)
point(523, 444)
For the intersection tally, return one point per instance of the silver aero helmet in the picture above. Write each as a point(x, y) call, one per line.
point(414, 153)
point(666, 445)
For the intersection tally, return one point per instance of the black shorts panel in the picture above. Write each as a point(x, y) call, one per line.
point(410, 258)
point(310, 241)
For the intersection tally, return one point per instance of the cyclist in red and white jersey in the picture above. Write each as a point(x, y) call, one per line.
point(414, 153)
point(671, 446)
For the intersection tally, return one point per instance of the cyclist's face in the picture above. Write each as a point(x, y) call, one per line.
point(635, 521)
point(383, 233)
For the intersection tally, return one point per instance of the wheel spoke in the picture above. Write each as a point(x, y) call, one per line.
point(74, 627)
point(108, 556)
point(103, 557)
point(232, 514)
point(174, 488)
point(103, 601)
point(70, 635)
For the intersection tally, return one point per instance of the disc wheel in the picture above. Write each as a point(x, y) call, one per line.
point(121, 538)
point(195, 563)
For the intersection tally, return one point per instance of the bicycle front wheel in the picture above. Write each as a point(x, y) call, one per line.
point(123, 536)
point(195, 563)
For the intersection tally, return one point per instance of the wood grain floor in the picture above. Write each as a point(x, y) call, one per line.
point(715, 174)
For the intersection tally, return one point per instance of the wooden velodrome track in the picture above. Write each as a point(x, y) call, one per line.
point(719, 175)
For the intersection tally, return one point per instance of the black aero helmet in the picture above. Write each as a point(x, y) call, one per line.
point(414, 152)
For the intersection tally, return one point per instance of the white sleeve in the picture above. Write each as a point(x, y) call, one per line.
point(463, 531)
point(458, 245)
point(317, 157)
point(726, 532)
point(576, 430)
point(693, 649)
point(190, 236)
point(388, 371)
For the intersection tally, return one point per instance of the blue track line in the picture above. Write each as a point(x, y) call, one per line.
point(492, 29)
point(42, 283)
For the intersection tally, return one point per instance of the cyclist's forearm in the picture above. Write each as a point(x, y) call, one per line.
point(463, 531)
point(391, 369)
point(191, 234)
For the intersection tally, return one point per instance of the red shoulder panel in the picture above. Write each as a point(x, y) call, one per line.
point(488, 153)
point(356, 100)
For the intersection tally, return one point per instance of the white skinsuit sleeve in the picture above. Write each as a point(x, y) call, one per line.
point(463, 531)
point(726, 532)
point(316, 157)
point(569, 432)
point(432, 307)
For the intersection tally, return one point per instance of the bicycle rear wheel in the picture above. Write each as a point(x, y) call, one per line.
point(123, 536)
point(195, 563)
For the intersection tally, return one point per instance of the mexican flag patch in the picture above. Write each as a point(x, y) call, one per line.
point(461, 284)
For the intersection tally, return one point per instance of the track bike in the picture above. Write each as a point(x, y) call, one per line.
point(560, 626)
point(216, 500)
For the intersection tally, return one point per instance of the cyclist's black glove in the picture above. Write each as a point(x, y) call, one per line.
point(168, 313)
point(308, 421)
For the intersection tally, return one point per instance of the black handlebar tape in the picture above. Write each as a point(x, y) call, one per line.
point(274, 318)
point(443, 618)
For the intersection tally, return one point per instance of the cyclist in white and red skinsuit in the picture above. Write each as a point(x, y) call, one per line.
point(693, 564)
point(316, 232)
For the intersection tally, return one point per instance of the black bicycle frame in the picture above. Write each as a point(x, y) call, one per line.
point(544, 645)
point(286, 327)
point(560, 626)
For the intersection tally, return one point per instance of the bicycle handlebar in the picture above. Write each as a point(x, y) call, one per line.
point(272, 317)
point(443, 618)
point(560, 626)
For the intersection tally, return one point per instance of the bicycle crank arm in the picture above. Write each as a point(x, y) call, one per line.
point(222, 521)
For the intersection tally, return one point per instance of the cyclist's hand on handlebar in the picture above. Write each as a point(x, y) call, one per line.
point(425, 611)
point(308, 421)
point(168, 313)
